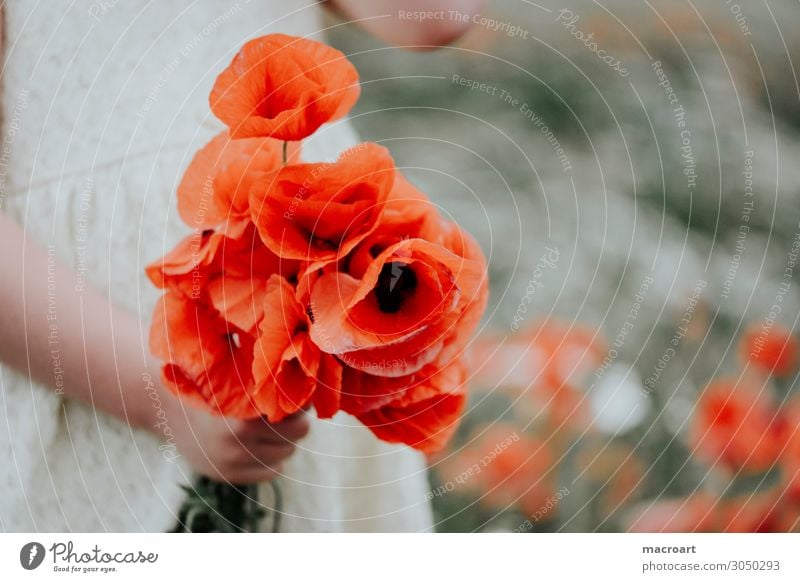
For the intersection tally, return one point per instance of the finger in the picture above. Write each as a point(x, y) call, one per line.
point(294, 427)
point(258, 453)
point(291, 429)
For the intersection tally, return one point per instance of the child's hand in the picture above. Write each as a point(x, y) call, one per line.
point(239, 451)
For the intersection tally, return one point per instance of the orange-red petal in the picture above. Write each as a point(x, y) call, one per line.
point(320, 212)
point(206, 359)
point(216, 185)
point(284, 87)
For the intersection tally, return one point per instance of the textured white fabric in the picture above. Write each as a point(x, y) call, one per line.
point(104, 103)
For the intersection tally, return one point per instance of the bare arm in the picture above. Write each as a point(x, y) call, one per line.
point(46, 332)
point(80, 345)
point(412, 22)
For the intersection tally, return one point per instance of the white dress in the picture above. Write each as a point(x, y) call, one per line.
point(104, 103)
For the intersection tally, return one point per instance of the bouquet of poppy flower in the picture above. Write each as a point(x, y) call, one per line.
point(336, 285)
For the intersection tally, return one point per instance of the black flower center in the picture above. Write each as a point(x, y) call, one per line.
point(396, 283)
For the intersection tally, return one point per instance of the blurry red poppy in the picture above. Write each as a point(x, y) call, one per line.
point(790, 461)
point(506, 468)
point(572, 351)
point(522, 474)
point(702, 512)
point(736, 425)
point(420, 410)
point(774, 350)
point(551, 358)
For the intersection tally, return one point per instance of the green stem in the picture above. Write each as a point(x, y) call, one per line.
point(214, 506)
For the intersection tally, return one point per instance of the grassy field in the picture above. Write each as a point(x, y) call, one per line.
point(630, 169)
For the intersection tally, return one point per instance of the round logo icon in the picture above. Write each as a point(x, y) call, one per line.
point(31, 555)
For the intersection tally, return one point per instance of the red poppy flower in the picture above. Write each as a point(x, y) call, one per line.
point(473, 283)
point(791, 469)
point(774, 350)
point(753, 513)
point(289, 370)
point(505, 468)
point(284, 87)
point(228, 273)
point(320, 212)
point(302, 276)
point(407, 213)
point(216, 185)
point(521, 473)
point(405, 310)
point(425, 409)
point(207, 360)
point(790, 460)
point(737, 426)
point(569, 353)
point(187, 266)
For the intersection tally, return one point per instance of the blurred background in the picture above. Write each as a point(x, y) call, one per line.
point(632, 172)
